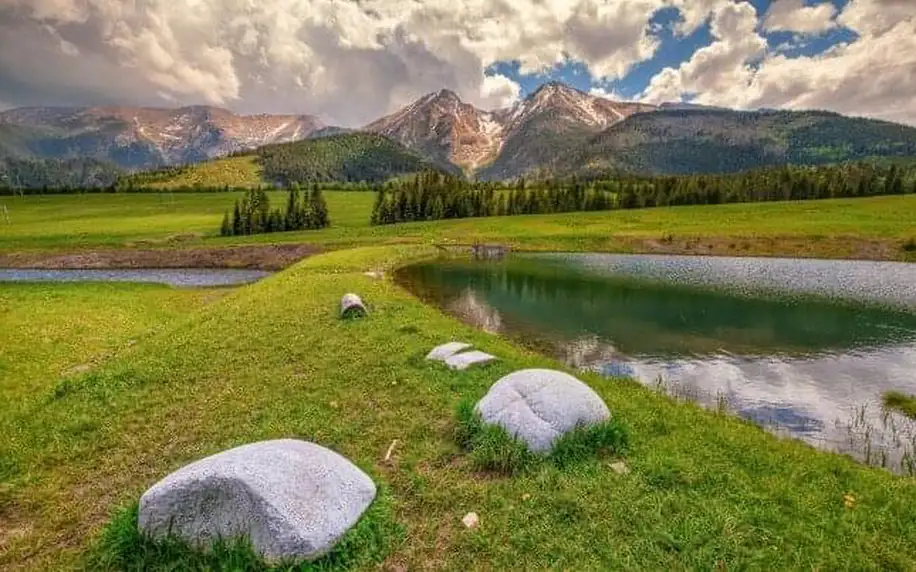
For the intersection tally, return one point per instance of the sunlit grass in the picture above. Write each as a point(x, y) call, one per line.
point(273, 360)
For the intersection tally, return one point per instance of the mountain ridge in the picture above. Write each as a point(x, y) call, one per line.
point(554, 130)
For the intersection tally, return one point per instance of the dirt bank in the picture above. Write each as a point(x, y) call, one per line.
point(260, 257)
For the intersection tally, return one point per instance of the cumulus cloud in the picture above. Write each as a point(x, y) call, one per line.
point(347, 61)
point(873, 75)
point(498, 91)
point(796, 16)
point(352, 61)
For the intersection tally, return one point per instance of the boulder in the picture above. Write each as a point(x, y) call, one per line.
point(351, 306)
point(467, 359)
point(291, 499)
point(445, 351)
point(539, 405)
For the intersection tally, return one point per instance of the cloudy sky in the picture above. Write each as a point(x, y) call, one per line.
point(349, 61)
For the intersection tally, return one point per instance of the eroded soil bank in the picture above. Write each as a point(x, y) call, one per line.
point(259, 257)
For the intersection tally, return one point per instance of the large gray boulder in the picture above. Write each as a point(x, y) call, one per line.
point(293, 500)
point(539, 405)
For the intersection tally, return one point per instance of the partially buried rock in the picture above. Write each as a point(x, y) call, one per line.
point(351, 306)
point(445, 351)
point(291, 499)
point(540, 405)
point(465, 360)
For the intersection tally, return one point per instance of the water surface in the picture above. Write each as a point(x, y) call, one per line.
point(178, 277)
point(803, 347)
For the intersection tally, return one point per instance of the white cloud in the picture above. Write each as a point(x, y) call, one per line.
point(613, 95)
point(498, 91)
point(796, 16)
point(874, 75)
point(352, 61)
point(348, 61)
point(720, 66)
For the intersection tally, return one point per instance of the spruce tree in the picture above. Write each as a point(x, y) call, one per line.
point(319, 209)
point(226, 228)
point(236, 219)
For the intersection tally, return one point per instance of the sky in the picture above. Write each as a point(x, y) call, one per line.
point(351, 61)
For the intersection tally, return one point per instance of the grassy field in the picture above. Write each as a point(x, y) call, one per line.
point(271, 360)
point(863, 228)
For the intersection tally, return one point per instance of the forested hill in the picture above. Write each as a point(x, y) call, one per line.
point(56, 173)
point(349, 157)
point(695, 141)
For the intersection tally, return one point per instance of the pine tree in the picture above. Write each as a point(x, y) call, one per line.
point(236, 219)
point(292, 217)
point(319, 209)
point(226, 228)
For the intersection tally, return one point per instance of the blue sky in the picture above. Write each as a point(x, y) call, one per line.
point(676, 50)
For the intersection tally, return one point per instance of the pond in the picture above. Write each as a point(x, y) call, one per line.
point(178, 277)
point(805, 348)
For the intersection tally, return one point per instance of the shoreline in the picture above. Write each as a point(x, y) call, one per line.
point(251, 257)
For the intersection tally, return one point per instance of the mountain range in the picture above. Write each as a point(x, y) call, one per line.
point(555, 130)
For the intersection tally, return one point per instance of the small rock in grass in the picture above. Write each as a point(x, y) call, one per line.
point(291, 499)
point(465, 360)
point(620, 468)
point(471, 520)
point(351, 306)
point(540, 405)
point(445, 351)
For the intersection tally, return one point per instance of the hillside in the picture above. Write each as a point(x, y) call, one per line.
point(144, 137)
point(16, 173)
point(349, 157)
point(690, 141)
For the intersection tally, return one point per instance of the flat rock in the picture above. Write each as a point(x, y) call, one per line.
point(445, 351)
point(467, 359)
point(539, 405)
point(292, 499)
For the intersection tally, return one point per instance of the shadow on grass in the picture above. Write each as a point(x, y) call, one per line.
point(493, 449)
point(121, 546)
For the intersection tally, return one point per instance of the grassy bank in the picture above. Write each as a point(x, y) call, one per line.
point(271, 360)
point(871, 228)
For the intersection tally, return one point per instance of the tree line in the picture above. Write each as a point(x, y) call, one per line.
point(434, 195)
point(252, 213)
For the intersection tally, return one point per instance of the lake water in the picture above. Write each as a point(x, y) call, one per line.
point(178, 277)
point(806, 348)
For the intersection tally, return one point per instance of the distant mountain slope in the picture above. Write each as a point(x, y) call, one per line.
point(16, 173)
point(350, 157)
point(507, 142)
point(442, 127)
point(550, 121)
point(681, 141)
point(139, 137)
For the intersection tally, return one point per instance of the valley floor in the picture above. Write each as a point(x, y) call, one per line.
point(107, 388)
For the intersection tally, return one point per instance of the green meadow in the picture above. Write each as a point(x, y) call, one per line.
point(877, 227)
point(109, 387)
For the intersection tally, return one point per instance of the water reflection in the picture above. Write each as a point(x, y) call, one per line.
point(809, 366)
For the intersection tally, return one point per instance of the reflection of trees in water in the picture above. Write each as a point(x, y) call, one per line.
point(660, 318)
point(472, 309)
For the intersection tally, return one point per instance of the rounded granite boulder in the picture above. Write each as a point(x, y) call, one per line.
point(293, 500)
point(538, 406)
